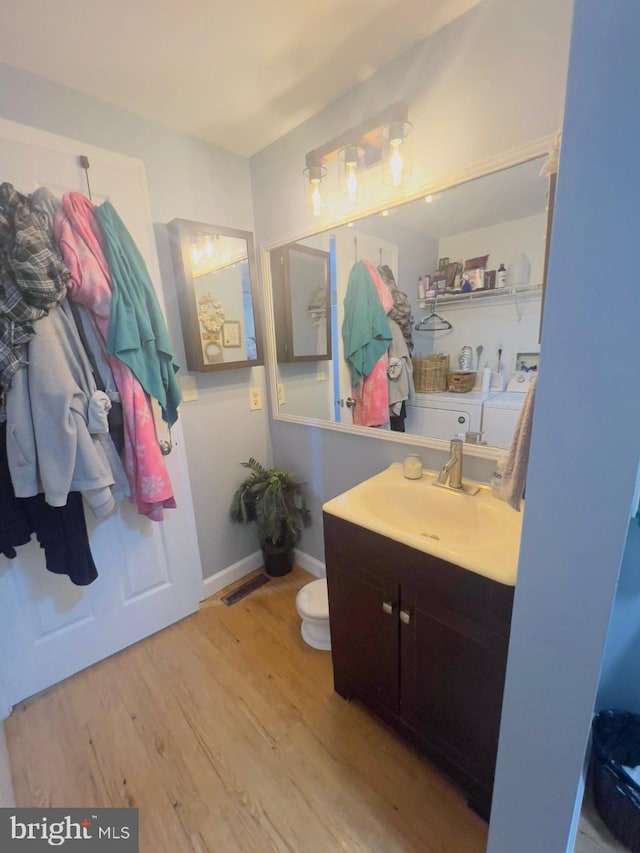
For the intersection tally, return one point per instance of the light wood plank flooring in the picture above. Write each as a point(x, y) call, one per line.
point(225, 732)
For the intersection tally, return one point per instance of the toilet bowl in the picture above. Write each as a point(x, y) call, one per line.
point(312, 604)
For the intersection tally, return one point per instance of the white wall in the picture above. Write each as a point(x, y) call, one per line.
point(513, 326)
point(503, 243)
point(513, 98)
point(585, 449)
point(191, 180)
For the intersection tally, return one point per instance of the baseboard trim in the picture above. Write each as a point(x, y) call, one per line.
point(231, 574)
point(212, 585)
point(306, 561)
point(7, 797)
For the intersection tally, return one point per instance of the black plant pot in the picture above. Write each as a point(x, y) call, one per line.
point(278, 559)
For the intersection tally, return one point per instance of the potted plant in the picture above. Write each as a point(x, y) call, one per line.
point(273, 499)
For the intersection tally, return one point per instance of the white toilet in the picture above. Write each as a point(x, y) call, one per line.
point(312, 604)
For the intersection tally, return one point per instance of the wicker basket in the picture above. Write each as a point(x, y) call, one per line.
point(430, 373)
point(461, 382)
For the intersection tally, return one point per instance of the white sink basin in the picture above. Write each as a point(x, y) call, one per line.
point(477, 532)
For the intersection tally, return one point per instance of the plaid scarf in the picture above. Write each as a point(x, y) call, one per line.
point(32, 277)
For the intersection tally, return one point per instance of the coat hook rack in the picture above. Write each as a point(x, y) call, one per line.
point(84, 164)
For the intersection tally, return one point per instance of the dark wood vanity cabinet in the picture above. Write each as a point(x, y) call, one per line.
point(424, 644)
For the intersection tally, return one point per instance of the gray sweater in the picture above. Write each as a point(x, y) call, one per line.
point(49, 443)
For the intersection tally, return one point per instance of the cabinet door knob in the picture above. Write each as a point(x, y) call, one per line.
point(405, 616)
point(388, 606)
point(350, 403)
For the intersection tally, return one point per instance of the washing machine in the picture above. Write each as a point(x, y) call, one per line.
point(501, 411)
point(445, 414)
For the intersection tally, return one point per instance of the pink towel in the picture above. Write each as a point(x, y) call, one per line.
point(80, 240)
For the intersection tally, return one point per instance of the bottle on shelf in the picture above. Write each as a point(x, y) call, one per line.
point(501, 276)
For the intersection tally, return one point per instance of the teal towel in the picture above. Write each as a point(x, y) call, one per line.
point(138, 334)
point(366, 333)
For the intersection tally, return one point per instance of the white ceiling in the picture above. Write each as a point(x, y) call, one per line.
point(238, 74)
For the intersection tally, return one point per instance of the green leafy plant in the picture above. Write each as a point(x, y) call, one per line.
point(273, 499)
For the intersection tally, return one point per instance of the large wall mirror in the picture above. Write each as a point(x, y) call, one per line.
point(470, 261)
point(216, 275)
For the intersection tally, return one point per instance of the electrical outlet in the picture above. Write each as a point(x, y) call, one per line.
point(281, 396)
point(255, 399)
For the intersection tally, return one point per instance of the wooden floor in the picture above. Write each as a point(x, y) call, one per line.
point(225, 732)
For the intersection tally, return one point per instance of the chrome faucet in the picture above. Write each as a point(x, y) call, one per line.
point(451, 473)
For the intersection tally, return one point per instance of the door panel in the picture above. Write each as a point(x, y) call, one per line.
point(452, 681)
point(149, 573)
point(364, 638)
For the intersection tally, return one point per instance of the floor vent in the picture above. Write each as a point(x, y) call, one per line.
point(244, 590)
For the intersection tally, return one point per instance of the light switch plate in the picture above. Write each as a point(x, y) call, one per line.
point(281, 395)
point(188, 388)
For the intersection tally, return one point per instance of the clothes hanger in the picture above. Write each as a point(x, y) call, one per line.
point(433, 322)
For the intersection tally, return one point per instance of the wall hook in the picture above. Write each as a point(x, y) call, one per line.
point(84, 164)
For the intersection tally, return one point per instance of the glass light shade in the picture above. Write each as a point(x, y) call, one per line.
point(313, 177)
point(350, 160)
point(396, 153)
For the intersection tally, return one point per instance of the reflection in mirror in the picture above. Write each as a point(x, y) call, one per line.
point(215, 274)
point(301, 311)
point(473, 256)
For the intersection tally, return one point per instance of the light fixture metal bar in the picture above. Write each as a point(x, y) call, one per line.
point(367, 135)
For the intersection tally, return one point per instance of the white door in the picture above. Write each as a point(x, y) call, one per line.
point(149, 573)
point(351, 247)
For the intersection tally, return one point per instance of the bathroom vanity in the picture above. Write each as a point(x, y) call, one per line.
point(420, 640)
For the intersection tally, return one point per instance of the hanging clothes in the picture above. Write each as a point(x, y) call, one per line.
point(401, 311)
point(138, 334)
point(372, 392)
point(47, 205)
point(365, 330)
point(32, 277)
point(57, 430)
point(80, 240)
point(400, 377)
point(61, 531)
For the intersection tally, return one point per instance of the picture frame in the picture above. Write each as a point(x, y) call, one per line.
point(443, 263)
point(476, 263)
point(489, 279)
point(231, 334)
point(452, 273)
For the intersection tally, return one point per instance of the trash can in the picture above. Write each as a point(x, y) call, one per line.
point(616, 745)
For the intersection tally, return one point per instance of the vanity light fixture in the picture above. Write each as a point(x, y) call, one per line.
point(381, 140)
point(196, 254)
point(350, 160)
point(314, 175)
point(396, 155)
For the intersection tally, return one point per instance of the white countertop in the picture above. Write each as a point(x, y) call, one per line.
point(478, 533)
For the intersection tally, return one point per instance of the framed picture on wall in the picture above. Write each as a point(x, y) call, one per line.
point(231, 334)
